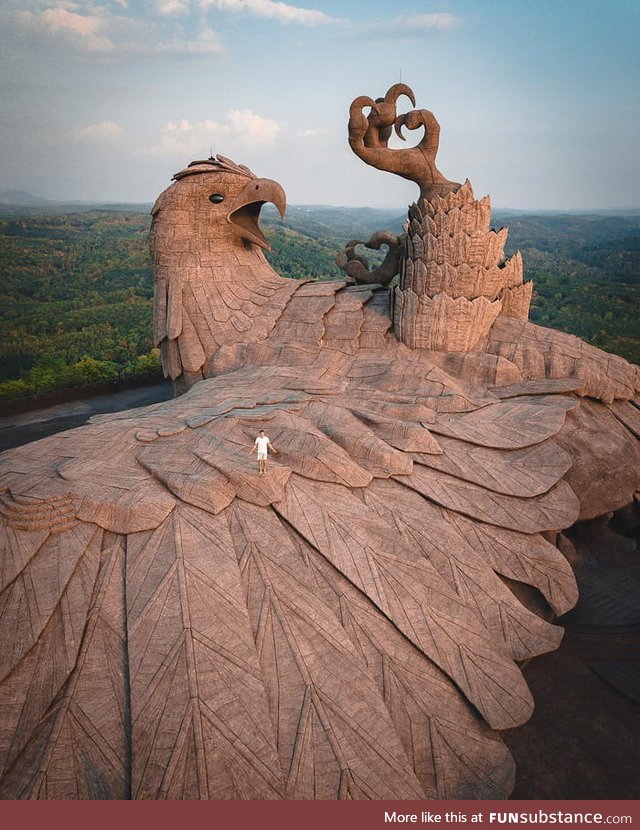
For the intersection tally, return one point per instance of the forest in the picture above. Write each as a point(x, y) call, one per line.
point(76, 284)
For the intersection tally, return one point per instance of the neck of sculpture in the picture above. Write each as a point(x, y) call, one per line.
point(454, 281)
point(246, 260)
point(429, 191)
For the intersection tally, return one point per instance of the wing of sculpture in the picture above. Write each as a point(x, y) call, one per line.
point(351, 623)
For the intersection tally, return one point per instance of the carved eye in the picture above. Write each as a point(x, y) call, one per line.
point(216, 198)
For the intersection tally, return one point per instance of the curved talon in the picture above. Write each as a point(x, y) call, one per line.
point(362, 260)
point(399, 123)
point(380, 238)
point(394, 92)
point(362, 101)
point(352, 256)
point(397, 128)
point(413, 120)
point(358, 121)
point(381, 120)
point(357, 266)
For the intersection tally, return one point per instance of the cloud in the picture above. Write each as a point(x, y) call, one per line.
point(104, 131)
point(256, 132)
point(273, 10)
point(69, 5)
point(207, 42)
point(408, 26)
point(318, 133)
point(99, 30)
point(242, 129)
point(169, 7)
point(85, 30)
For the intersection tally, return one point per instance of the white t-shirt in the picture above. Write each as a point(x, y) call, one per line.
point(262, 443)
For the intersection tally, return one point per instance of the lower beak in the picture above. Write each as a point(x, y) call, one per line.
point(245, 210)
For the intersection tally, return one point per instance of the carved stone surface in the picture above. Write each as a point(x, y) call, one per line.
point(453, 283)
point(544, 353)
point(177, 625)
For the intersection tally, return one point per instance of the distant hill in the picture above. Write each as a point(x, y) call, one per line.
point(21, 198)
point(623, 211)
point(325, 217)
point(20, 202)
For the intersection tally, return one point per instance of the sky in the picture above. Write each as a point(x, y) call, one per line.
point(538, 100)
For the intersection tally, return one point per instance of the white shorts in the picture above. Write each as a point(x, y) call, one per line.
point(262, 456)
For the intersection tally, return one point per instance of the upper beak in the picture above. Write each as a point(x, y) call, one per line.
point(245, 210)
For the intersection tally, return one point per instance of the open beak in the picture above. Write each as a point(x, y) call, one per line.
point(245, 210)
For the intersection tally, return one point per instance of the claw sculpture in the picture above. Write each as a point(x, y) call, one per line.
point(453, 282)
point(351, 624)
point(357, 266)
point(369, 137)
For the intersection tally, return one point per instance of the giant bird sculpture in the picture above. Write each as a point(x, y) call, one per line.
point(351, 624)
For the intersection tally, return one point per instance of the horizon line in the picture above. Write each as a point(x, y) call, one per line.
point(43, 202)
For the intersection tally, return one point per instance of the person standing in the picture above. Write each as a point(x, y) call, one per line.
point(262, 446)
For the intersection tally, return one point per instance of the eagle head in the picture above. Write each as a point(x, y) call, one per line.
point(213, 204)
point(212, 280)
